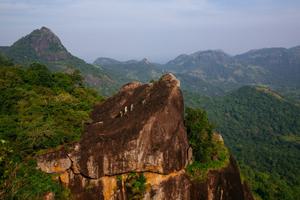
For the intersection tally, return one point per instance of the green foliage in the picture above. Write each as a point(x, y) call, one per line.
point(135, 185)
point(199, 132)
point(119, 178)
point(198, 170)
point(208, 151)
point(5, 152)
point(29, 183)
point(268, 186)
point(38, 110)
point(38, 74)
point(4, 61)
point(262, 129)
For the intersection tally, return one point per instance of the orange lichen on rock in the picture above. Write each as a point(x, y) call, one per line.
point(64, 178)
point(109, 186)
point(156, 179)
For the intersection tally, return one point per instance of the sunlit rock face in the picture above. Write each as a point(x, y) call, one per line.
point(141, 130)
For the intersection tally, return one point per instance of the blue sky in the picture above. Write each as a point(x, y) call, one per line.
point(156, 29)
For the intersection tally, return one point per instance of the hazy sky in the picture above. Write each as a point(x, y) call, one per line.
point(156, 29)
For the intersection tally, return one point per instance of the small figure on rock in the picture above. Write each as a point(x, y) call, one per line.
point(125, 110)
point(131, 107)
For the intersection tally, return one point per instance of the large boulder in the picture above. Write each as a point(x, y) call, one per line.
point(139, 129)
point(138, 132)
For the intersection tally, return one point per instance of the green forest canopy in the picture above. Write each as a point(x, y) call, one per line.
point(262, 129)
point(38, 110)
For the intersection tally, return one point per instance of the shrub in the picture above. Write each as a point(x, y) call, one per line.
point(135, 185)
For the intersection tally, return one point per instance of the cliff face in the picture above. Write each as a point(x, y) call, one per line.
point(222, 184)
point(137, 148)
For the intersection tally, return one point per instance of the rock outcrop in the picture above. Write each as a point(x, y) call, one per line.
point(138, 135)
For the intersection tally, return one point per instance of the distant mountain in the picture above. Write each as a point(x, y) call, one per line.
point(282, 65)
point(217, 64)
point(205, 72)
point(43, 46)
point(131, 70)
point(103, 61)
point(278, 68)
point(209, 58)
point(214, 72)
point(262, 128)
point(40, 45)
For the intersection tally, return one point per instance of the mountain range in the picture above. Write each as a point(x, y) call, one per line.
point(211, 72)
point(214, 72)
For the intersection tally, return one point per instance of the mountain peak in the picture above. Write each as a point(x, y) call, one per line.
point(43, 45)
point(45, 29)
point(106, 61)
point(200, 59)
point(44, 32)
point(211, 54)
point(145, 61)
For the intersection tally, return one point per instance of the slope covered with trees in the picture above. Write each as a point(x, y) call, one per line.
point(262, 130)
point(39, 110)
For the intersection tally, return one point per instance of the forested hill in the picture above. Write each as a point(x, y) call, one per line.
point(43, 46)
point(263, 130)
point(39, 110)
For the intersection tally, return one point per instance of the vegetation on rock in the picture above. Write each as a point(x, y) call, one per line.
point(135, 186)
point(208, 149)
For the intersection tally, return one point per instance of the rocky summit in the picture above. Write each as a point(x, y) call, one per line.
point(41, 44)
point(137, 142)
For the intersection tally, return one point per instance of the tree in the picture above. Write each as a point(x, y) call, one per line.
point(39, 74)
point(199, 132)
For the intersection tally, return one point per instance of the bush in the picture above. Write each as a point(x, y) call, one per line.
point(135, 185)
point(199, 132)
point(208, 151)
point(198, 170)
point(26, 182)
